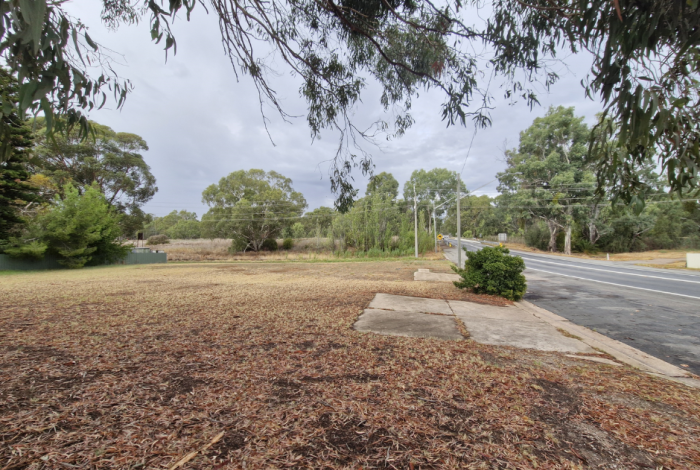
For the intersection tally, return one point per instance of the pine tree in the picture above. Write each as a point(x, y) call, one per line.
point(15, 192)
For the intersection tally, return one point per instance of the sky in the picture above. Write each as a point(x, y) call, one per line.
point(201, 123)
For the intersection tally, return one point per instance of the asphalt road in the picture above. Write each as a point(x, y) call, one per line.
point(654, 310)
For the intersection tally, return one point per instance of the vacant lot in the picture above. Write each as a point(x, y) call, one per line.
point(140, 366)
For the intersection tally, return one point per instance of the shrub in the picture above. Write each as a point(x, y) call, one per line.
point(288, 243)
point(237, 245)
point(493, 271)
point(157, 240)
point(270, 244)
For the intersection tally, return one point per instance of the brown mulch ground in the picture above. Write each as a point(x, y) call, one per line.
point(244, 365)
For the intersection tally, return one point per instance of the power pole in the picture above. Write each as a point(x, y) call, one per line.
point(459, 227)
point(435, 228)
point(415, 217)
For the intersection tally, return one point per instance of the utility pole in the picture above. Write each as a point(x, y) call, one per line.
point(459, 227)
point(415, 217)
point(435, 228)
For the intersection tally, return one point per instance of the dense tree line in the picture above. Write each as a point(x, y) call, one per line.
point(254, 207)
point(549, 196)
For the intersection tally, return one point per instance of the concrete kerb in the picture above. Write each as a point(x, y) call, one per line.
point(620, 351)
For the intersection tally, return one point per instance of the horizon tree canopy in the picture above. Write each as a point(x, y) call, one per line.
point(645, 68)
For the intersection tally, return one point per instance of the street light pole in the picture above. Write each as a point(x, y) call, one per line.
point(415, 218)
point(459, 227)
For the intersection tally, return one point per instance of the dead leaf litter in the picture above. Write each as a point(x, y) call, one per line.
point(245, 365)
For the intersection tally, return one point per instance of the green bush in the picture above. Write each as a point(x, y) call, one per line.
point(237, 245)
point(493, 271)
point(79, 229)
point(288, 243)
point(270, 244)
point(157, 240)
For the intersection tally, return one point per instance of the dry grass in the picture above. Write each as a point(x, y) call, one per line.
point(305, 249)
point(140, 366)
point(672, 265)
point(195, 250)
point(642, 255)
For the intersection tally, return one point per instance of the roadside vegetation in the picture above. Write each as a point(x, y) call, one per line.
point(491, 270)
point(139, 366)
point(205, 249)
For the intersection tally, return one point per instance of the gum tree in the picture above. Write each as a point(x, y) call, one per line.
point(250, 207)
point(547, 175)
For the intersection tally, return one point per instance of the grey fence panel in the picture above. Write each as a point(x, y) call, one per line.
point(8, 263)
point(144, 258)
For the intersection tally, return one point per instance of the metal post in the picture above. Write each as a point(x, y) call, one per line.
point(459, 228)
point(415, 217)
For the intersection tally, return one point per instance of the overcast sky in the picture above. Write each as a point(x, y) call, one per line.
point(201, 124)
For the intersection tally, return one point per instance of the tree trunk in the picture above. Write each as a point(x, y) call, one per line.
point(567, 240)
point(592, 229)
point(553, 231)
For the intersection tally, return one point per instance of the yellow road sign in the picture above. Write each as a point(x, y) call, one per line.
point(439, 236)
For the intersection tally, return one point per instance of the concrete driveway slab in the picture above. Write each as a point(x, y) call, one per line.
point(504, 326)
point(403, 323)
point(468, 310)
point(523, 334)
point(410, 304)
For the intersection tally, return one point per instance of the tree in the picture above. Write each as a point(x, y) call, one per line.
point(182, 225)
point(646, 60)
point(479, 216)
point(431, 188)
point(547, 176)
point(384, 184)
point(82, 228)
point(297, 230)
point(79, 229)
point(15, 190)
point(250, 207)
point(112, 160)
point(318, 221)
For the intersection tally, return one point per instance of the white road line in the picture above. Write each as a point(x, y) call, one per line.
point(613, 272)
point(613, 284)
point(606, 270)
